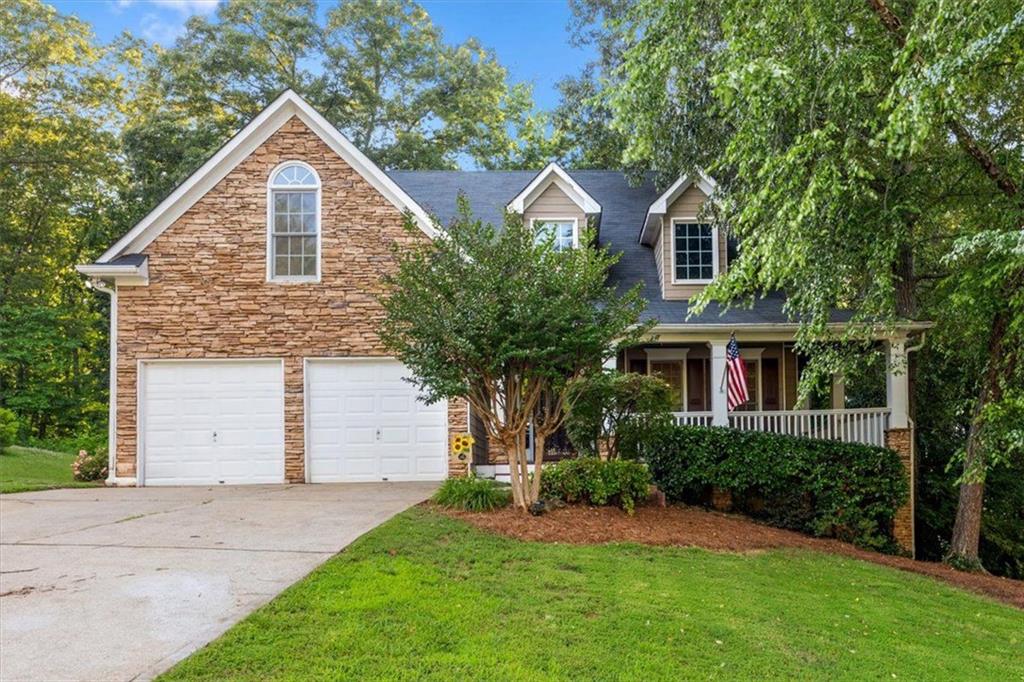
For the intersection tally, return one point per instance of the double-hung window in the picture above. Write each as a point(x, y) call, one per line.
point(561, 233)
point(294, 230)
point(694, 252)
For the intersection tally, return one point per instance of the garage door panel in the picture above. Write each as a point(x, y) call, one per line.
point(367, 424)
point(209, 422)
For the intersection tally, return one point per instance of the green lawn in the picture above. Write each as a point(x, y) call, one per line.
point(24, 469)
point(427, 597)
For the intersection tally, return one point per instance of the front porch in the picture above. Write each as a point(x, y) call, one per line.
point(695, 370)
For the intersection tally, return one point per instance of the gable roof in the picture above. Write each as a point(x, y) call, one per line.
point(659, 207)
point(553, 174)
point(244, 142)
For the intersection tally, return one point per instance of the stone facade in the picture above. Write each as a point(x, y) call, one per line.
point(209, 297)
point(901, 442)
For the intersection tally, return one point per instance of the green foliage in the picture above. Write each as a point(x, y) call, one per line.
point(845, 490)
point(90, 466)
point(472, 494)
point(380, 71)
point(598, 482)
point(868, 159)
point(9, 427)
point(621, 409)
point(60, 100)
point(505, 321)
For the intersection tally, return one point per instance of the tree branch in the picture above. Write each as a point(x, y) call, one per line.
point(963, 136)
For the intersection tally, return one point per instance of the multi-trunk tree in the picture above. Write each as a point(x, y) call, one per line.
point(505, 322)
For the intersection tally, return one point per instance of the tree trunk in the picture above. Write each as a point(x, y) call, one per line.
point(963, 549)
point(538, 461)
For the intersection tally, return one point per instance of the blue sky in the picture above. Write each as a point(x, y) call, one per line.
point(529, 36)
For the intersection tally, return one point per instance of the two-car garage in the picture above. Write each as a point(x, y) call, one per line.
point(208, 422)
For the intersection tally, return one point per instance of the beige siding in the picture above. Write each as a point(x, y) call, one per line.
point(686, 207)
point(554, 203)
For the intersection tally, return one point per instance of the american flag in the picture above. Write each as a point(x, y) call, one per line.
point(737, 372)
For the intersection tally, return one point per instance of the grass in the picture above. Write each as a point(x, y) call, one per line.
point(428, 597)
point(25, 469)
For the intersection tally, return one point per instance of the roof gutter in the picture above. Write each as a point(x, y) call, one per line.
point(124, 274)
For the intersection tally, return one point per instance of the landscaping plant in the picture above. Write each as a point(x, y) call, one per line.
point(590, 480)
point(620, 410)
point(8, 428)
point(499, 318)
point(850, 491)
point(472, 494)
point(90, 466)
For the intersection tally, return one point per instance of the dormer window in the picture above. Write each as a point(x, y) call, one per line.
point(562, 233)
point(293, 248)
point(694, 253)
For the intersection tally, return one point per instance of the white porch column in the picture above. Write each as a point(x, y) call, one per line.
point(838, 392)
point(719, 388)
point(897, 385)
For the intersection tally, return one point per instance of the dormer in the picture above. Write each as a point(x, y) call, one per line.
point(688, 250)
point(555, 205)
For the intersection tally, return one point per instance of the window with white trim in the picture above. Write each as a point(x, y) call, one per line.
point(694, 252)
point(294, 231)
point(561, 233)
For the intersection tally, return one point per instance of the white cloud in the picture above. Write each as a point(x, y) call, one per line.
point(156, 30)
point(188, 7)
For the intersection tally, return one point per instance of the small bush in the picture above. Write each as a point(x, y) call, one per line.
point(849, 491)
point(472, 494)
point(8, 428)
point(599, 482)
point(90, 466)
point(618, 409)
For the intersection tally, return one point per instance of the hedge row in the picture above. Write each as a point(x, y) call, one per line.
point(590, 480)
point(845, 490)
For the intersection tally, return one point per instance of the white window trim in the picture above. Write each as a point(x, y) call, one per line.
point(714, 249)
point(545, 219)
point(301, 279)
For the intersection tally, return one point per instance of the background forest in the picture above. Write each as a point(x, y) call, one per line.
point(871, 157)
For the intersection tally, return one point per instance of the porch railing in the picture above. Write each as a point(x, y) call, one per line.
point(867, 425)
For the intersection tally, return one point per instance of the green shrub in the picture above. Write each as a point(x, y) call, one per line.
point(599, 482)
point(617, 408)
point(8, 428)
point(90, 466)
point(472, 494)
point(849, 491)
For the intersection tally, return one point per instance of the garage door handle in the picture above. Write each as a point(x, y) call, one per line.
point(214, 436)
point(378, 434)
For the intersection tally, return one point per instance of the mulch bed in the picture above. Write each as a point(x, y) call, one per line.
point(683, 526)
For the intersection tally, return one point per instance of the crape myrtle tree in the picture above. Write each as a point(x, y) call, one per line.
point(506, 322)
point(869, 157)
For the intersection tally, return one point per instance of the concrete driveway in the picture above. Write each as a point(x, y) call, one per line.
point(120, 583)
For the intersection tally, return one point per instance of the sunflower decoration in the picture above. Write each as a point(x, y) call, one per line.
point(462, 443)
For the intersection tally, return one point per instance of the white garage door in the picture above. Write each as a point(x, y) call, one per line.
point(365, 424)
point(209, 422)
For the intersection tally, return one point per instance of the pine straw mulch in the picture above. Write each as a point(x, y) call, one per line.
point(683, 526)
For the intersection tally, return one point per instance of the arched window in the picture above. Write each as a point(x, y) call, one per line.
point(293, 251)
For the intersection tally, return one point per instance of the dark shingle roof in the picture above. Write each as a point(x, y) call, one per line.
point(623, 210)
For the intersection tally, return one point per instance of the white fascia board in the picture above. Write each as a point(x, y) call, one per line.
point(123, 275)
point(239, 147)
point(660, 206)
point(553, 173)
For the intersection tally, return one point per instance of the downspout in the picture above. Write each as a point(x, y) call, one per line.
point(98, 285)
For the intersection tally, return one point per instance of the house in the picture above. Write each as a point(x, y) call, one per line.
point(244, 314)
